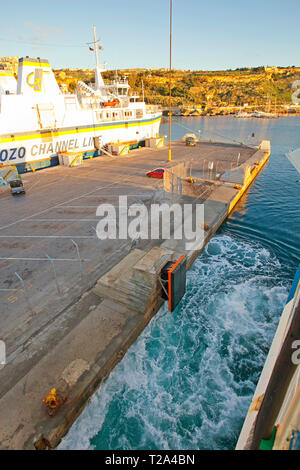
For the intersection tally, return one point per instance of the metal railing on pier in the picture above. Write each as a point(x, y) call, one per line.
point(198, 179)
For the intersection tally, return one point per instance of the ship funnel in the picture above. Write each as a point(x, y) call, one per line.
point(35, 77)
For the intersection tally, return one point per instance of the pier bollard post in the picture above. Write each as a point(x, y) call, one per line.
point(79, 258)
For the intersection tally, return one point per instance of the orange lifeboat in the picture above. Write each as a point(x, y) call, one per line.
point(111, 103)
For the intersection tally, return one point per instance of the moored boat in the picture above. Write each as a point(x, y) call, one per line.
point(38, 120)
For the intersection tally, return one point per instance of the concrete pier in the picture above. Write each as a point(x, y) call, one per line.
point(71, 304)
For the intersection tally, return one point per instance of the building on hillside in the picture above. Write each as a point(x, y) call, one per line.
point(271, 69)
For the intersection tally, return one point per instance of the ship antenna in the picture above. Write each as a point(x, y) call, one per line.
point(96, 47)
point(98, 79)
point(170, 85)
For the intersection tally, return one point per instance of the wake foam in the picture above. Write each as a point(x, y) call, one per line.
point(188, 380)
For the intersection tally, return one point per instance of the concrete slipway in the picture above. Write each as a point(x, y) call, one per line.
point(70, 330)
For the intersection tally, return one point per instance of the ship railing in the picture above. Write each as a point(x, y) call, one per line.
point(96, 105)
point(106, 114)
point(87, 106)
point(120, 81)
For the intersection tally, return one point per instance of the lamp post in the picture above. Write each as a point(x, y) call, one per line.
point(170, 88)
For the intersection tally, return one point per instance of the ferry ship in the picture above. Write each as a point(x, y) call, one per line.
point(38, 120)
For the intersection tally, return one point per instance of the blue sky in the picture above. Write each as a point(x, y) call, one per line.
point(207, 35)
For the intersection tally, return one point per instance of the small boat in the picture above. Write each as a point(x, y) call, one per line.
point(263, 115)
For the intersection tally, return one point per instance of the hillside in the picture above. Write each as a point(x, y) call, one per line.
point(259, 87)
point(208, 92)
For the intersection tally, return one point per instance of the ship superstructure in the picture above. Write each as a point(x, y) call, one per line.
point(38, 120)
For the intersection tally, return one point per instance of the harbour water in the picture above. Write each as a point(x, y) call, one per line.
point(188, 380)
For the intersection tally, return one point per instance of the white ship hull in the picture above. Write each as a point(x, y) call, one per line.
point(38, 120)
point(39, 145)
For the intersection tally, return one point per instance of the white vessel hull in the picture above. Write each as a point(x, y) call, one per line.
point(38, 145)
point(38, 120)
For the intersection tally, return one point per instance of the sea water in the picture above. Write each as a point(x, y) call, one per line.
point(188, 380)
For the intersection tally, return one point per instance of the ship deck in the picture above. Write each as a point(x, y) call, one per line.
point(46, 321)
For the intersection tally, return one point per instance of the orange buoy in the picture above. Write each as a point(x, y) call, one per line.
point(111, 103)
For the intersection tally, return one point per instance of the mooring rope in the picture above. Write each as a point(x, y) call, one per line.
point(212, 132)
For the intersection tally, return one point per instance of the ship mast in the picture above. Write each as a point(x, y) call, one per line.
point(170, 85)
point(96, 47)
point(98, 78)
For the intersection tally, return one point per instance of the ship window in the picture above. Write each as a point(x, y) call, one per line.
point(70, 103)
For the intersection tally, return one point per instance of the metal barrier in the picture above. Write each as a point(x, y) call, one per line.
point(8, 173)
point(178, 179)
